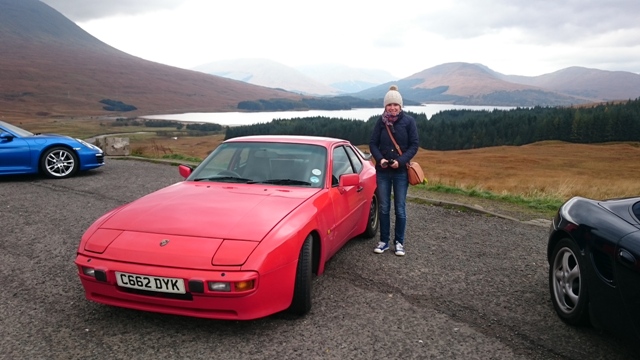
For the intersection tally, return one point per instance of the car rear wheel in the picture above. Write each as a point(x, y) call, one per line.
point(567, 284)
point(373, 219)
point(301, 303)
point(59, 163)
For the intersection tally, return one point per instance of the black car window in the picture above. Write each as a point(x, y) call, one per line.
point(355, 160)
point(341, 165)
point(636, 210)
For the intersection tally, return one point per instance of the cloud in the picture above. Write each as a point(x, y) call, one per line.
point(520, 37)
point(541, 21)
point(85, 10)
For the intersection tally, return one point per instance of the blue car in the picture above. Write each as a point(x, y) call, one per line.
point(55, 156)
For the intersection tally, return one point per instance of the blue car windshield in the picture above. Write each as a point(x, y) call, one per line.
point(15, 130)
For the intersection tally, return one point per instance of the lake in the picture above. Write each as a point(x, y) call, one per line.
point(250, 118)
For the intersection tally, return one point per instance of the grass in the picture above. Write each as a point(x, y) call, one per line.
point(536, 176)
point(541, 203)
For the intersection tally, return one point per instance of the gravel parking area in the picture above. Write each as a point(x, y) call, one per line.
point(472, 286)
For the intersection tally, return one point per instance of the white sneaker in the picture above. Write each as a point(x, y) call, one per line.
point(382, 247)
point(399, 249)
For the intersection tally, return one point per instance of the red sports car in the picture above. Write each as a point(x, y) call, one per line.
point(241, 237)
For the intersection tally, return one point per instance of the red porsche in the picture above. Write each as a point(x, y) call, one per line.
point(241, 237)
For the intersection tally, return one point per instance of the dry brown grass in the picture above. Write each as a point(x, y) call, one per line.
point(553, 169)
point(546, 169)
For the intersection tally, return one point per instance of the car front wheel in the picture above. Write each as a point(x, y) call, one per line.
point(373, 220)
point(59, 163)
point(567, 284)
point(301, 303)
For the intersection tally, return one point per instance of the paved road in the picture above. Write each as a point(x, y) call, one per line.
point(471, 287)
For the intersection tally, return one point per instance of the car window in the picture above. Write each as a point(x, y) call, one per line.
point(341, 164)
point(636, 210)
point(264, 162)
point(355, 160)
point(16, 130)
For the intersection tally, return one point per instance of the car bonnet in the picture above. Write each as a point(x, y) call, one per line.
point(210, 210)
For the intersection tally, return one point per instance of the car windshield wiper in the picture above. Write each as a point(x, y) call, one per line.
point(227, 179)
point(285, 182)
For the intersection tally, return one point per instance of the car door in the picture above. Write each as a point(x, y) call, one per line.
point(627, 268)
point(347, 202)
point(15, 156)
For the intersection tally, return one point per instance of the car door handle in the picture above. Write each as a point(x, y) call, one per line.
point(360, 188)
point(627, 258)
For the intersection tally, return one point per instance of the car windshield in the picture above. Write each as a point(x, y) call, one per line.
point(15, 130)
point(274, 163)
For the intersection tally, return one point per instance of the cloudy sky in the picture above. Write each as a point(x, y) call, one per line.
point(515, 37)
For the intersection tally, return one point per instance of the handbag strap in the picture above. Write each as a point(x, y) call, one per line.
point(394, 140)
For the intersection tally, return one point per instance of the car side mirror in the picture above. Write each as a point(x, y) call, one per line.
point(349, 180)
point(185, 170)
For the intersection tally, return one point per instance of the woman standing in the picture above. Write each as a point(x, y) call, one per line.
point(391, 167)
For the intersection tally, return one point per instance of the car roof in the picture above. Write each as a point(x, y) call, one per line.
point(297, 139)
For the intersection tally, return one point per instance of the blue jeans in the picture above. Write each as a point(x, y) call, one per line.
point(398, 181)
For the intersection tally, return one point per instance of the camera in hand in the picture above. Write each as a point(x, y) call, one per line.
point(389, 162)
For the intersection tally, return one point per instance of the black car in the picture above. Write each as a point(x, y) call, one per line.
point(594, 264)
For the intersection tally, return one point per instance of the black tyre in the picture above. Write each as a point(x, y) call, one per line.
point(567, 284)
point(59, 163)
point(373, 219)
point(301, 303)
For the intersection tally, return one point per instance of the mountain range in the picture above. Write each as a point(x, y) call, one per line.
point(321, 79)
point(49, 66)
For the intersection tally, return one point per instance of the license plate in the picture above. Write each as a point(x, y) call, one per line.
point(150, 283)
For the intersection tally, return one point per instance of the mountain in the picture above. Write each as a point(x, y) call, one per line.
point(346, 79)
point(49, 65)
point(476, 84)
point(267, 73)
point(599, 85)
point(318, 80)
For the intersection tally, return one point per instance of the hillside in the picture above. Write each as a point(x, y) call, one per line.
point(345, 78)
point(49, 65)
point(472, 84)
point(599, 85)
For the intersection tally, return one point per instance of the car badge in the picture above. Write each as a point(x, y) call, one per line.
point(164, 242)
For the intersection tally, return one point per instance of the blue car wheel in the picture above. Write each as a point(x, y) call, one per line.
point(59, 163)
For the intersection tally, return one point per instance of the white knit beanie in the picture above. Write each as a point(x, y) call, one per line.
point(393, 96)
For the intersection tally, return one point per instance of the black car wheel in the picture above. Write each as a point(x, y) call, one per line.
point(301, 303)
point(59, 163)
point(373, 221)
point(567, 284)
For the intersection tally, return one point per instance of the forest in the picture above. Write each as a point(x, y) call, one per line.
point(472, 129)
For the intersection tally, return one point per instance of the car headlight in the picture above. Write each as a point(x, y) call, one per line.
point(90, 146)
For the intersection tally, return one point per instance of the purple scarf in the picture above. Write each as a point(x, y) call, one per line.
point(389, 119)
